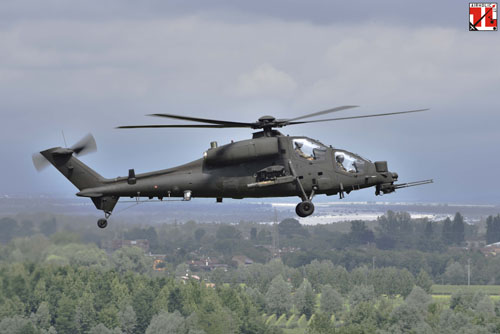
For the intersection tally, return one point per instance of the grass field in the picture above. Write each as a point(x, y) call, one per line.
point(492, 290)
point(294, 330)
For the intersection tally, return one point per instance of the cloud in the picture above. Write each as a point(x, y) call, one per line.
point(317, 12)
point(265, 80)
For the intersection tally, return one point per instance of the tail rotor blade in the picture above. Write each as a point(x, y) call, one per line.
point(39, 161)
point(86, 145)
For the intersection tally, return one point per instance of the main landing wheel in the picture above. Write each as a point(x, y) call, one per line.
point(102, 223)
point(304, 209)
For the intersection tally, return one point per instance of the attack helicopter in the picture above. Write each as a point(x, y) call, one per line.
point(270, 164)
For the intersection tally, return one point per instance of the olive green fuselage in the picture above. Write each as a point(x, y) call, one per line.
point(230, 170)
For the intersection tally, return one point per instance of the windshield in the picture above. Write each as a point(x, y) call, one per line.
point(308, 149)
point(348, 162)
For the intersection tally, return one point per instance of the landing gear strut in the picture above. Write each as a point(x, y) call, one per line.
point(304, 208)
point(103, 222)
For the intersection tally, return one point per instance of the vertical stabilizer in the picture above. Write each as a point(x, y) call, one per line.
point(81, 175)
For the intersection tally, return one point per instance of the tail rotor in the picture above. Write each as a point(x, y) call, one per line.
point(39, 161)
point(84, 146)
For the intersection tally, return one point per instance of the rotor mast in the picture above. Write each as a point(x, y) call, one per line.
point(266, 123)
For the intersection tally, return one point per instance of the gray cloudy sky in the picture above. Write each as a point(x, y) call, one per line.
point(89, 66)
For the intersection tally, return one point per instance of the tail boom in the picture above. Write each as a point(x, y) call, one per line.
point(81, 175)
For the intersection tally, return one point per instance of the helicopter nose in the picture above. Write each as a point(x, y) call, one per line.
point(395, 176)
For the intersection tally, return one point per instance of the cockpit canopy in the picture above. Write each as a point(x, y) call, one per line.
point(348, 162)
point(315, 151)
point(309, 149)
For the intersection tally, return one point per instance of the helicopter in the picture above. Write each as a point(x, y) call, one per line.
point(270, 164)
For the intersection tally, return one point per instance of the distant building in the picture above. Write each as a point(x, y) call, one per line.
point(242, 260)
point(491, 249)
point(206, 264)
point(112, 245)
point(475, 244)
point(159, 265)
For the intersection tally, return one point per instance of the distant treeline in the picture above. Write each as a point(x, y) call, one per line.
point(394, 240)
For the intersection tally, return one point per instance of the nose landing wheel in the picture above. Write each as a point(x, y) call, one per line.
point(102, 223)
point(304, 209)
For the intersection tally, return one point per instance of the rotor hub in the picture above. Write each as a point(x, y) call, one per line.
point(267, 119)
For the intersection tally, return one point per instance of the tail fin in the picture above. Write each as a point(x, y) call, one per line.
point(81, 175)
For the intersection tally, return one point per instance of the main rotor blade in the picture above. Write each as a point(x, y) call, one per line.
point(322, 112)
point(178, 126)
point(354, 117)
point(203, 120)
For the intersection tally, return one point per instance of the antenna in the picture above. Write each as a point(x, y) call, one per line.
point(276, 235)
point(64, 138)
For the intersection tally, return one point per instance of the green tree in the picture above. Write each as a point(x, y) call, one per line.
point(419, 298)
point(17, 325)
point(305, 299)
point(227, 232)
point(493, 229)
point(11, 306)
point(321, 324)
point(253, 234)
point(447, 232)
point(65, 315)
point(291, 227)
point(199, 234)
point(397, 226)
point(361, 293)
point(424, 281)
point(119, 293)
point(451, 322)
point(85, 314)
point(264, 236)
point(142, 303)
point(362, 318)
point(48, 227)
point(167, 323)
point(42, 317)
point(406, 317)
point(131, 259)
point(278, 296)
point(360, 234)
point(257, 298)
point(405, 282)
point(484, 310)
point(175, 300)
point(429, 230)
point(455, 273)
point(102, 329)
point(331, 301)
point(26, 228)
point(458, 229)
point(10, 229)
point(319, 273)
point(462, 300)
